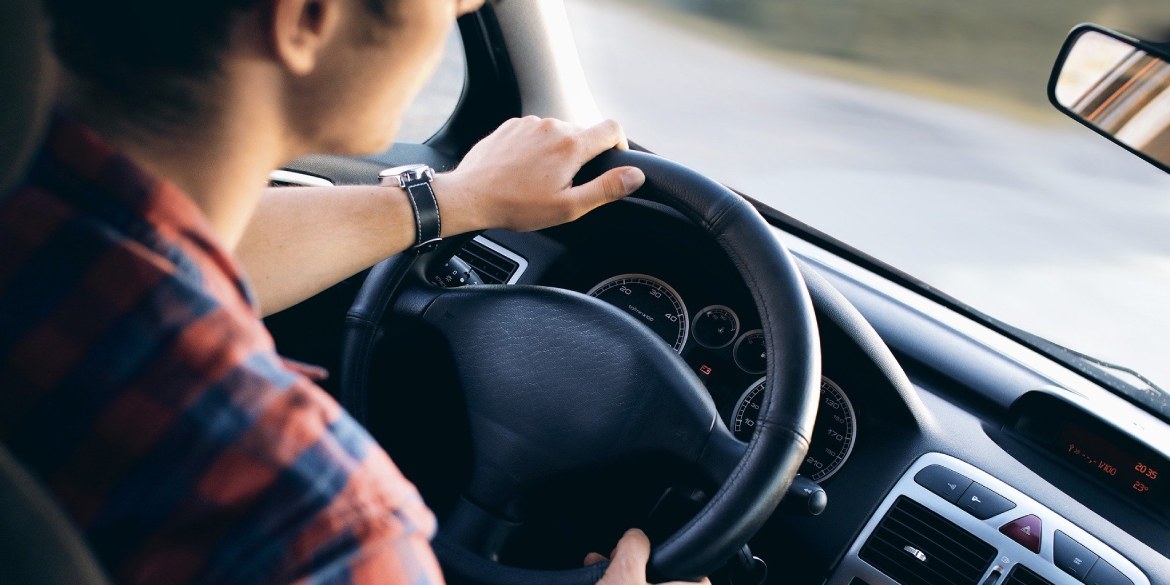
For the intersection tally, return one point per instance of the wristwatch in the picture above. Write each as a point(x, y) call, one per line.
point(416, 181)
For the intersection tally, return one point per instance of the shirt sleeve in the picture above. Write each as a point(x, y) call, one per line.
point(377, 531)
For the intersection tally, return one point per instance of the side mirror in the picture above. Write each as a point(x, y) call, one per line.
point(1117, 86)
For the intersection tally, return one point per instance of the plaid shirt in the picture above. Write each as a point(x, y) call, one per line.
point(138, 383)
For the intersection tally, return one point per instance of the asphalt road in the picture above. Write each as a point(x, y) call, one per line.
point(1043, 225)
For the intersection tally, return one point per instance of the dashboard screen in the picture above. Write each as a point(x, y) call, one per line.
point(1141, 478)
point(1090, 446)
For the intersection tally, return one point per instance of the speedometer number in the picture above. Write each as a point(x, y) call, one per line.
point(649, 300)
point(834, 432)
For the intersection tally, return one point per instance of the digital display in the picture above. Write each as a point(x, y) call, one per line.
point(1115, 460)
point(1139, 477)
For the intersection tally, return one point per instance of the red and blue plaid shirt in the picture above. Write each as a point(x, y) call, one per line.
point(138, 383)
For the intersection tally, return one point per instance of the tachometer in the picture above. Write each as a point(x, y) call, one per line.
point(834, 432)
point(650, 301)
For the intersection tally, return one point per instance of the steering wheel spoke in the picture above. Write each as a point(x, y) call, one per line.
point(721, 455)
point(477, 529)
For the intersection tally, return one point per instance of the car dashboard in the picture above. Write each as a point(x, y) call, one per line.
point(946, 458)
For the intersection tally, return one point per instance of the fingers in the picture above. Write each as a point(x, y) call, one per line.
point(630, 558)
point(602, 137)
point(635, 545)
point(594, 558)
point(615, 183)
point(537, 159)
point(592, 140)
point(629, 562)
point(610, 186)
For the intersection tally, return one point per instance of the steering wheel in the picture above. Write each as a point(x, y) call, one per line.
point(556, 381)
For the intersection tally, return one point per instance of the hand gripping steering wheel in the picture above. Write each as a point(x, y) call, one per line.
point(556, 381)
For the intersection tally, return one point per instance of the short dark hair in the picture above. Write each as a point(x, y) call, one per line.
point(147, 55)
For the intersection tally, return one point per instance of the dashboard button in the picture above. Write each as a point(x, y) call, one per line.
point(947, 484)
point(1072, 557)
point(1103, 573)
point(983, 503)
point(1025, 530)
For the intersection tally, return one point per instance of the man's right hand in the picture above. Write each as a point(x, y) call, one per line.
point(520, 177)
point(628, 563)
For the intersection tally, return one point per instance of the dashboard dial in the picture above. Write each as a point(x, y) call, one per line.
point(749, 352)
point(650, 301)
point(834, 432)
point(715, 327)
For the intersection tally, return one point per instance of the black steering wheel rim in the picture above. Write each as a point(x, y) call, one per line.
point(756, 483)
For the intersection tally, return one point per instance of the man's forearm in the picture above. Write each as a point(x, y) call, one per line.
point(302, 240)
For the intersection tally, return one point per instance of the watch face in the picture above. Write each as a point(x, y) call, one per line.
point(405, 174)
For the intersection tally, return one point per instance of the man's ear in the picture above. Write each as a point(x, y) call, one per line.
point(300, 30)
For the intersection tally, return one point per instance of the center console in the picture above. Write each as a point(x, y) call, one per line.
point(948, 523)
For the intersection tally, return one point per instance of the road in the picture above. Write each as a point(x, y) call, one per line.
point(1043, 225)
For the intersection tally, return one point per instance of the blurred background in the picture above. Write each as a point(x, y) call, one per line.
point(1002, 46)
point(916, 130)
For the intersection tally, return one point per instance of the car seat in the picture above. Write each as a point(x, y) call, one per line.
point(25, 80)
point(38, 544)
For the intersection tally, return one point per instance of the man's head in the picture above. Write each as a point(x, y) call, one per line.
point(343, 70)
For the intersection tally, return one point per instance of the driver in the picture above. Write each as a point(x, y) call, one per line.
point(138, 381)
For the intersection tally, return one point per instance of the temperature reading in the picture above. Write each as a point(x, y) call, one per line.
point(1124, 468)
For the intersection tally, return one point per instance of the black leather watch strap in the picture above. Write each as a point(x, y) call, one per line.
point(416, 181)
point(428, 224)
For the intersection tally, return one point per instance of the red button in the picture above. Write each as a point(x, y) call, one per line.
point(1025, 530)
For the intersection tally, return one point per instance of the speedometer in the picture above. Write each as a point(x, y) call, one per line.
point(834, 432)
point(650, 301)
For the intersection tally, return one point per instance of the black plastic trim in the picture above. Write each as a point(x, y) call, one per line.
point(1070, 359)
point(490, 92)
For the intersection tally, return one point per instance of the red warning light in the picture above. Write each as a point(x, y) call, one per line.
point(705, 370)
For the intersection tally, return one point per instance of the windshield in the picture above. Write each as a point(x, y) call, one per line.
point(917, 131)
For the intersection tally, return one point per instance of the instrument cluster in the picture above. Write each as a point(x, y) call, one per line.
point(726, 348)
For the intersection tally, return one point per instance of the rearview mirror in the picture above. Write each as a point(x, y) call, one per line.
point(1116, 85)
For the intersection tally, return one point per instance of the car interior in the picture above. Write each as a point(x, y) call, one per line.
point(769, 404)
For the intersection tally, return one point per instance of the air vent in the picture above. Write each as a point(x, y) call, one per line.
point(284, 178)
point(493, 263)
point(916, 546)
point(1022, 575)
